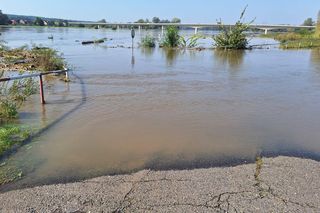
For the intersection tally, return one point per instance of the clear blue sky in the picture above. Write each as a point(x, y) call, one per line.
point(190, 11)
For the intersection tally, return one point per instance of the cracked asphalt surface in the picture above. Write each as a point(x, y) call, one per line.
point(281, 184)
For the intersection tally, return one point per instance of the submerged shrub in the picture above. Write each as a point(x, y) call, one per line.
point(148, 41)
point(171, 38)
point(235, 37)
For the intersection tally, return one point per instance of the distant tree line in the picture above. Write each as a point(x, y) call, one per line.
point(29, 20)
point(158, 20)
point(51, 23)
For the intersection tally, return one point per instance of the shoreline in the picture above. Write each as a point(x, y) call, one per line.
point(281, 184)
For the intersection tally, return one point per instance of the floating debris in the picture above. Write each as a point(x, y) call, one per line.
point(94, 41)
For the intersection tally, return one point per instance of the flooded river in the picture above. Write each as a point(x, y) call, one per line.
point(127, 110)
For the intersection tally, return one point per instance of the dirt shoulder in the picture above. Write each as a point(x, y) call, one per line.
point(279, 184)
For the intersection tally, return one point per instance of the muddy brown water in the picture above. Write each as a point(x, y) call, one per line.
point(155, 109)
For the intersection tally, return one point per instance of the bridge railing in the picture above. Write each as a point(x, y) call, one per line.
point(39, 75)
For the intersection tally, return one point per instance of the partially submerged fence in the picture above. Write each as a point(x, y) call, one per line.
point(39, 75)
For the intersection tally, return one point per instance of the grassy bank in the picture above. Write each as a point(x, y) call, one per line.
point(25, 59)
point(14, 93)
point(296, 40)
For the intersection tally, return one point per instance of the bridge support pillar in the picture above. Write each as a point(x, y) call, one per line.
point(266, 31)
point(162, 30)
point(196, 30)
point(118, 27)
point(139, 29)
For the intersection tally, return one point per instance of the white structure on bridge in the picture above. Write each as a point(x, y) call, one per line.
point(265, 27)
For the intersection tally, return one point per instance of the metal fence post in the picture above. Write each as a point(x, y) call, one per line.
point(41, 90)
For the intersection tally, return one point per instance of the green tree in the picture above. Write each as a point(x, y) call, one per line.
point(176, 20)
point(140, 21)
point(165, 21)
point(156, 20)
point(39, 22)
point(4, 20)
point(308, 22)
point(102, 21)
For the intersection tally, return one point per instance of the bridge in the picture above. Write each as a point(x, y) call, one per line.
point(196, 27)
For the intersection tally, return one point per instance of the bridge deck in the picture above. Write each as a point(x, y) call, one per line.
point(270, 26)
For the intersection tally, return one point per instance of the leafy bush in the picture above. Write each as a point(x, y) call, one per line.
point(171, 38)
point(148, 41)
point(233, 38)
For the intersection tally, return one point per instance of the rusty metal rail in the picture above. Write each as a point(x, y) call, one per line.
point(40, 74)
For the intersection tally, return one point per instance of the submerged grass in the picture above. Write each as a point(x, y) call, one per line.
point(11, 135)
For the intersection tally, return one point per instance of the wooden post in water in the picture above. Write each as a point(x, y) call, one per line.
point(41, 90)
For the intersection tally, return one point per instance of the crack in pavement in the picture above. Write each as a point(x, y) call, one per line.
point(268, 190)
point(125, 199)
point(220, 202)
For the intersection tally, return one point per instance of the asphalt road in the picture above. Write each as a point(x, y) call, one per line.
point(280, 184)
